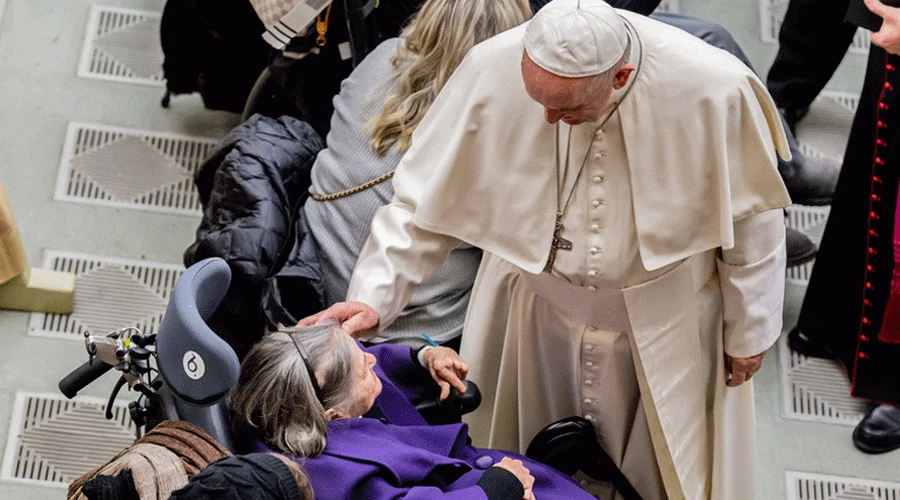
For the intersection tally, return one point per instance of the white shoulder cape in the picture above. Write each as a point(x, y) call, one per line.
point(700, 132)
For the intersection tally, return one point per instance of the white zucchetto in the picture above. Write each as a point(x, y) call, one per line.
point(576, 38)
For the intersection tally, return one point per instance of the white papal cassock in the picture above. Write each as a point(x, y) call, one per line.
point(678, 255)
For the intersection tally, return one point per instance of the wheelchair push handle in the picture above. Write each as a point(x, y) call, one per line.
point(83, 376)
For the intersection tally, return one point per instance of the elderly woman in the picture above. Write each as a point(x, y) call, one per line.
point(302, 392)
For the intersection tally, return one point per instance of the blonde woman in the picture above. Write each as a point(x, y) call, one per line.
point(376, 112)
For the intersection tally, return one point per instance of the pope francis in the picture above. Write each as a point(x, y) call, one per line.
point(621, 177)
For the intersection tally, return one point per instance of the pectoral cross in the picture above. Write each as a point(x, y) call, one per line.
point(558, 243)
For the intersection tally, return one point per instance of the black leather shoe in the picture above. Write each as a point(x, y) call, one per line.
point(810, 181)
point(799, 342)
point(800, 249)
point(879, 431)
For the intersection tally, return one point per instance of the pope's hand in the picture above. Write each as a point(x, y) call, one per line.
point(888, 37)
point(447, 369)
point(742, 369)
point(355, 318)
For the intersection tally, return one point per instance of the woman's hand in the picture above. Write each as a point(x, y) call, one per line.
point(522, 474)
point(888, 37)
point(357, 319)
point(447, 369)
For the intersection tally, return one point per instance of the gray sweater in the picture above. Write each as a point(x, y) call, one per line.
point(340, 227)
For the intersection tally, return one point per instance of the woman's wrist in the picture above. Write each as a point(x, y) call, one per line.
point(501, 484)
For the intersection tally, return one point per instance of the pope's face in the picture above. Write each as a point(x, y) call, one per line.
point(571, 100)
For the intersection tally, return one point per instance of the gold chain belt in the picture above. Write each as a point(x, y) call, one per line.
point(353, 190)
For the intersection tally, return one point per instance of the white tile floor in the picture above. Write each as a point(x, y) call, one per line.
point(78, 93)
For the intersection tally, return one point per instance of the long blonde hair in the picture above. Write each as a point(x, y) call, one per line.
point(434, 44)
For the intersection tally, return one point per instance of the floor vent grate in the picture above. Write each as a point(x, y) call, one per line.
point(54, 440)
point(809, 486)
point(129, 168)
point(122, 45)
point(817, 390)
point(110, 294)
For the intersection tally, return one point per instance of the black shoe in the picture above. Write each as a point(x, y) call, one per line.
point(800, 249)
point(800, 343)
point(810, 181)
point(879, 430)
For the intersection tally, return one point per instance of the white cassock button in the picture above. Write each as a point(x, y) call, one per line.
point(595, 228)
point(589, 417)
point(588, 347)
point(592, 288)
point(600, 155)
point(588, 364)
point(588, 383)
point(587, 401)
point(596, 203)
point(594, 250)
point(598, 179)
point(592, 273)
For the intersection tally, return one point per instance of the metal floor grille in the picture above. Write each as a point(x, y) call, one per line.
point(53, 440)
point(129, 168)
point(122, 45)
point(110, 294)
point(816, 390)
point(771, 14)
point(811, 222)
point(808, 486)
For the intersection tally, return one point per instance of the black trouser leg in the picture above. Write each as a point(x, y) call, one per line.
point(812, 42)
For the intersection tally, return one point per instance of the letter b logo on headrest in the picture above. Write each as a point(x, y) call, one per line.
point(193, 365)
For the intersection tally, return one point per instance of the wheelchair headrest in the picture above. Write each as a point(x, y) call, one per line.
point(197, 364)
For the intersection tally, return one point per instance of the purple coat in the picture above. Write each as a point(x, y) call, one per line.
point(400, 456)
point(371, 459)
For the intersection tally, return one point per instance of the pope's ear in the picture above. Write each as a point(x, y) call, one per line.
point(622, 75)
point(333, 414)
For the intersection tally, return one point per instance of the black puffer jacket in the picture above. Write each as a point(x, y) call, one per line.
point(252, 187)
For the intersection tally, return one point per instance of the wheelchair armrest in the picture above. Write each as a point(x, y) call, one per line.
point(450, 410)
point(570, 445)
